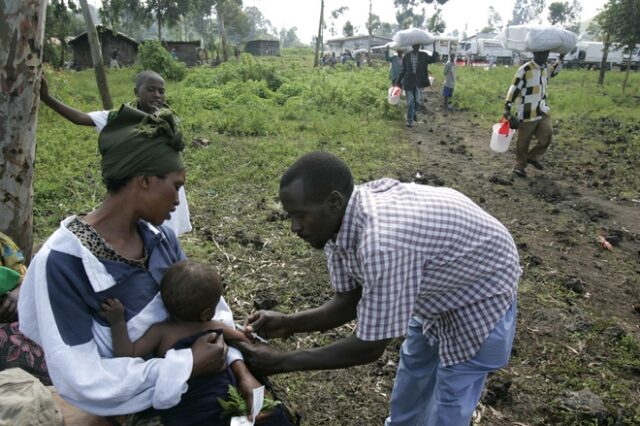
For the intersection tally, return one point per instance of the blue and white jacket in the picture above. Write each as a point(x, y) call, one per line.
point(59, 308)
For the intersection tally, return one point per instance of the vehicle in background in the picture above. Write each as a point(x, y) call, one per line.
point(485, 50)
point(445, 45)
point(588, 54)
point(632, 60)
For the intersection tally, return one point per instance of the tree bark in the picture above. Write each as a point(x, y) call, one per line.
point(222, 31)
point(159, 19)
point(626, 75)
point(21, 45)
point(603, 63)
point(316, 57)
point(369, 30)
point(96, 57)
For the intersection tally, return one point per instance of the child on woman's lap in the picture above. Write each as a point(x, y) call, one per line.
point(190, 292)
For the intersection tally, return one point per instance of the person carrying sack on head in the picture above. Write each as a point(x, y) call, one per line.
point(413, 77)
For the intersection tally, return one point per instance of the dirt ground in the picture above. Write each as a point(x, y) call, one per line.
point(578, 302)
point(576, 298)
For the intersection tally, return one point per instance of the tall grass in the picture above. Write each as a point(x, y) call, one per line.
point(260, 114)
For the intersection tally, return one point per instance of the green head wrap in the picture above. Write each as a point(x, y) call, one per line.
point(134, 143)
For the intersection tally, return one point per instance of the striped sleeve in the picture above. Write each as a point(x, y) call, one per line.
point(516, 87)
point(555, 68)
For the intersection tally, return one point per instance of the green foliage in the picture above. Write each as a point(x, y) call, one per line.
point(436, 23)
point(625, 15)
point(51, 53)
point(152, 56)
point(62, 22)
point(525, 11)
point(235, 405)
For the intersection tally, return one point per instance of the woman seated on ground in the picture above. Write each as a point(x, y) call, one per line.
point(121, 251)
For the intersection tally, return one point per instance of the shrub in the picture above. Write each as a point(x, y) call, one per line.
point(51, 53)
point(152, 56)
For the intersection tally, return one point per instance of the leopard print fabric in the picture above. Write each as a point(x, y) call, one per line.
point(90, 238)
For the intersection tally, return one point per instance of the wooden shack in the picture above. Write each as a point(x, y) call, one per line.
point(263, 47)
point(185, 51)
point(109, 40)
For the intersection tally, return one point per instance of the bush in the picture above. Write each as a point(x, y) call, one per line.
point(152, 56)
point(51, 53)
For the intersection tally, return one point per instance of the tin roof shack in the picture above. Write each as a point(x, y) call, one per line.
point(263, 47)
point(185, 51)
point(339, 45)
point(109, 40)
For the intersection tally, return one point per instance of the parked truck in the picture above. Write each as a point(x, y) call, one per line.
point(631, 59)
point(445, 45)
point(588, 54)
point(485, 50)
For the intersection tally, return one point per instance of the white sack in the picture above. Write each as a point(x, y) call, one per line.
point(536, 38)
point(411, 36)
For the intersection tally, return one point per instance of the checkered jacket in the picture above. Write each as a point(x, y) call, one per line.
point(530, 85)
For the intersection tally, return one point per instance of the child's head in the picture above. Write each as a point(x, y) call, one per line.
point(191, 290)
point(149, 90)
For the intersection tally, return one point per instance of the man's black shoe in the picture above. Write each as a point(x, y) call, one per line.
point(520, 173)
point(409, 125)
point(537, 164)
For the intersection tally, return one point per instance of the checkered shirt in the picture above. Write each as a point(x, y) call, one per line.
point(530, 84)
point(429, 252)
point(414, 61)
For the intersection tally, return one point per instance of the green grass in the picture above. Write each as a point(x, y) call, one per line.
point(259, 115)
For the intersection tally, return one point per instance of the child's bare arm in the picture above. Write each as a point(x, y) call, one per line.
point(73, 115)
point(229, 333)
point(113, 311)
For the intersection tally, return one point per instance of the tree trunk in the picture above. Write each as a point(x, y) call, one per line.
point(222, 31)
point(603, 63)
point(96, 56)
point(369, 30)
point(63, 47)
point(626, 75)
point(316, 58)
point(159, 19)
point(21, 45)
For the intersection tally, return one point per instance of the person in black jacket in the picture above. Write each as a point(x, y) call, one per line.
point(414, 76)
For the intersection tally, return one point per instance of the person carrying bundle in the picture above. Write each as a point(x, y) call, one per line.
point(529, 86)
point(413, 77)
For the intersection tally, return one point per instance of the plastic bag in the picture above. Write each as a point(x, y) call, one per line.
point(393, 95)
point(537, 38)
point(411, 36)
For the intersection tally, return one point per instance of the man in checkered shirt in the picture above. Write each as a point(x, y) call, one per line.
point(530, 86)
point(406, 260)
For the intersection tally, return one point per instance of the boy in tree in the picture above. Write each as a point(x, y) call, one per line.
point(149, 90)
